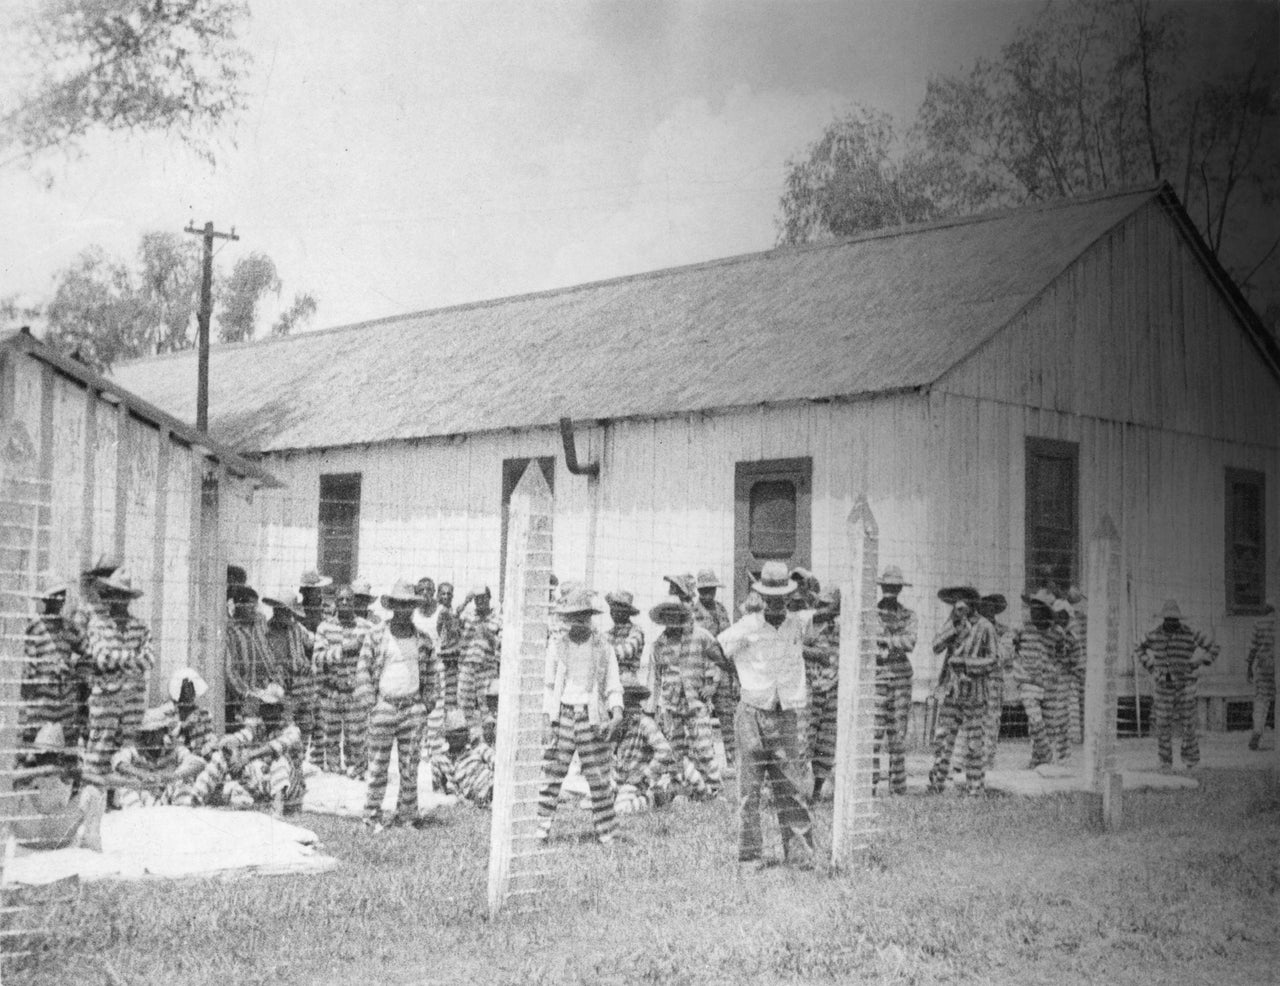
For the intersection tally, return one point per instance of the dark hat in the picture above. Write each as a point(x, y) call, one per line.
point(633, 693)
point(774, 580)
point(277, 604)
point(953, 594)
point(621, 599)
point(105, 565)
point(671, 614)
point(993, 604)
point(236, 575)
point(242, 593)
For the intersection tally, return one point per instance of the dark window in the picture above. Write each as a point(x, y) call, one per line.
point(771, 516)
point(1053, 513)
point(339, 526)
point(1246, 538)
point(512, 473)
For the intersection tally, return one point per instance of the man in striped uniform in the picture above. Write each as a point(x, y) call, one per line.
point(626, 639)
point(250, 664)
point(119, 645)
point(712, 616)
point(338, 642)
point(643, 764)
point(1169, 653)
point(1061, 695)
point(894, 644)
point(583, 708)
point(1035, 648)
point(193, 725)
point(990, 607)
point(308, 712)
point(153, 770)
point(822, 669)
point(290, 645)
point(473, 770)
point(1079, 627)
point(969, 643)
point(79, 620)
point(396, 678)
point(1262, 672)
point(481, 654)
point(362, 592)
point(49, 691)
point(681, 667)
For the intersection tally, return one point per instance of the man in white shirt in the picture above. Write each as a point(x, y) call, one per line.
point(583, 706)
point(767, 648)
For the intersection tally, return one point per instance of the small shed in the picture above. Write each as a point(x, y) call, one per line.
point(993, 384)
point(116, 475)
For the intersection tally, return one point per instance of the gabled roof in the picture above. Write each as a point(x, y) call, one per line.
point(886, 311)
point(21, 341)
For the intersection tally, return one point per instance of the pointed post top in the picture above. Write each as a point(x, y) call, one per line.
point(1106, 530)
point(533, 485)
point(861, 514)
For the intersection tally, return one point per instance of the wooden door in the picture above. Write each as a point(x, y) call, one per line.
point(772, 519)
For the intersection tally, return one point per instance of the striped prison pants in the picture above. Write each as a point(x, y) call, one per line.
point(893, 713)
point(962, 717)
point(821, 731)
point(688, 730)
point(1264, 695)
point(574, 731)
point(1075, 708)
point(1175, 707)
point(344, 732)
point(724, 704)
point(771, 752)
point(1033, 700)
point(261, 780)
point(433, 735)
point(1057, 714)
point(107, 703)
point(991, 721)
point(399, 721)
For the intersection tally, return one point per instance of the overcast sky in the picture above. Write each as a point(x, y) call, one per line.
point(405, 155)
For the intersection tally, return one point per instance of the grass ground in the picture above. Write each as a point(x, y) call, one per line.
point(1003, 890)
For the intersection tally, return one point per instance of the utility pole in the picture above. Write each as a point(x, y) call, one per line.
point(202, 321)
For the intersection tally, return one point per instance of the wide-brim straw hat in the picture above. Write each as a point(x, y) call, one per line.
point(706, 579)
point(685, 584)
point(1042, 597)
point(994, 603)
point(892, 575)
point(1062, 606)
point(1170, 610)
point(157, 717)
point(277, 604)
point(621, 599)
point(311, 579)
point(50, 738)
point(671, 614)
point(454, 722)
point(186, 674)
point(120, 583)
point(578, 601)
point(272, 694)
point(401, 591)
point(362, 587)
point(57, 589)
point(102, 567)
point(774, 580)
point(953, 594)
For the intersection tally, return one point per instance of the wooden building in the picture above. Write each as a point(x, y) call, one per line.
point(993, 384)
point(116, 475)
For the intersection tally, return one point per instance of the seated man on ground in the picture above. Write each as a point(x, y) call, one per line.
point(54, 809)
point(643, 764)
point(153, 770)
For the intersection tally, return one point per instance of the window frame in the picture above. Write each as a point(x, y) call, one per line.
point(1233, 476)
point(323, 523)
point(1059, 449)
point(745, 473)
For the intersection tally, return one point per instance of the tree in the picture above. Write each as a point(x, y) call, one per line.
point(850, 181)
point(1090, 95)
point(108, 311)
point(168, 66)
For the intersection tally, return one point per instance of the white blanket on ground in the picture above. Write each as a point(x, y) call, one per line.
point(335, 794)
point(171, 842)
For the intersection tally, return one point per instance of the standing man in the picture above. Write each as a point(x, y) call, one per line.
point(481, 647)
point(250, 664)
point(1169, 654)
point(894, 644)
point(119, 645)
point(681, 668)
point(308, 715)
point(583, 708)
point(626, 639)
point(1061, 699)
point(822, 668)
point(362, 590)
point(990, 607)
point(338, 643)
point(291, 646)
point(767, 649)
point(715, 619)
point(396, 680)
point(1079, 627)
point(1034, 648)
point(1262, 672)
point(49, 692)
point(969, 642)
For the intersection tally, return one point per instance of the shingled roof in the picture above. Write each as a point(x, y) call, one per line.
point(887, 311)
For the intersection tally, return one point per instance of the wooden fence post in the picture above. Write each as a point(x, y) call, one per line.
point(514, 853)
point(1105, 589)
point(854, 810)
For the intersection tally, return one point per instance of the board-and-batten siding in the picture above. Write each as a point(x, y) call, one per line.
point(116, 485)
